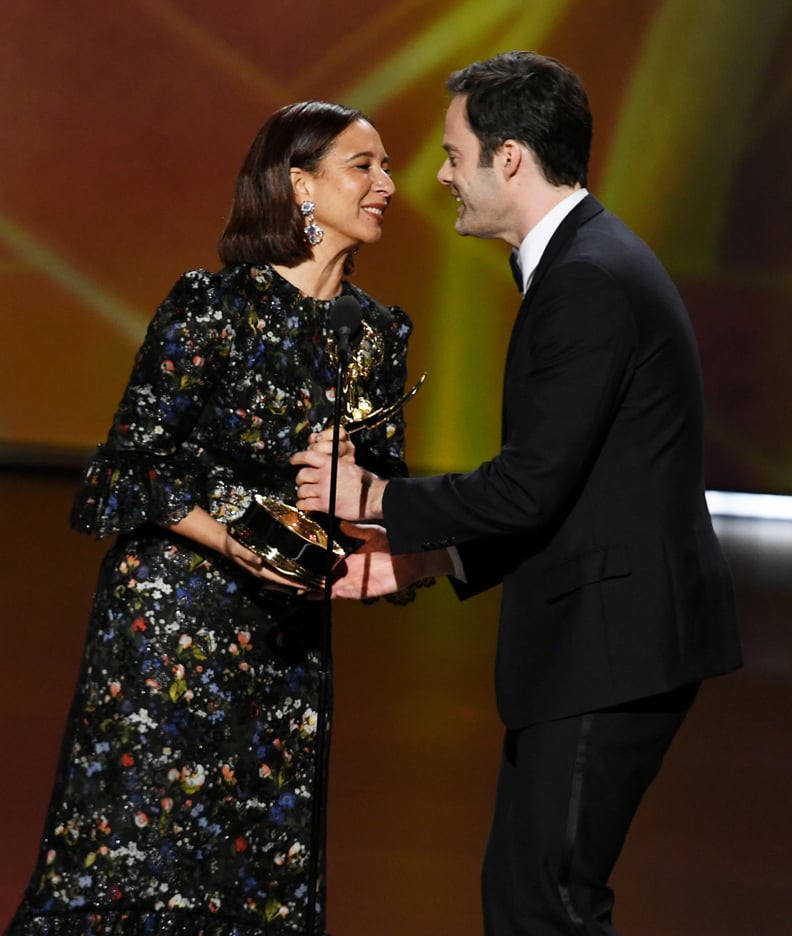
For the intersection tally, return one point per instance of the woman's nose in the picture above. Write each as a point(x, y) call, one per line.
point(385, 184)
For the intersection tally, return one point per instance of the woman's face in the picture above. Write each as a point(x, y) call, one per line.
point(352, 188)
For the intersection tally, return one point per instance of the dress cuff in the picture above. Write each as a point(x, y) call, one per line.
point(120, 491)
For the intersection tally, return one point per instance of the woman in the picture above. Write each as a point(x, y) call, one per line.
point(184, 793)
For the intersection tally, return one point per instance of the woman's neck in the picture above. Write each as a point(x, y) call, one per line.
point(318, 278)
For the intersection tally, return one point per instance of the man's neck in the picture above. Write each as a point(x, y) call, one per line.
point(543, 203)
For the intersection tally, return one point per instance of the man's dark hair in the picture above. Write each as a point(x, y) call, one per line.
point(535, 100)
point(265, 225)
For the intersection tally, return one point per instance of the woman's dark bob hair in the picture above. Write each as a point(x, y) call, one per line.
point(265, 225)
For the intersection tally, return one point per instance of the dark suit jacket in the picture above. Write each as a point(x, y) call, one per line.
point(593, 514)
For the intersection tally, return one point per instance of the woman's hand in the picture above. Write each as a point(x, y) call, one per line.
point(255, 566)
point(200, 526)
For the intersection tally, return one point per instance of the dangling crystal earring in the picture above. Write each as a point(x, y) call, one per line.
point(313, 233)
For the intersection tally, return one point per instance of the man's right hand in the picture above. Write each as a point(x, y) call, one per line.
point(358, 492)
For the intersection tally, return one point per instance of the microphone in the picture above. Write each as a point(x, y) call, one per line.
point(346, 319)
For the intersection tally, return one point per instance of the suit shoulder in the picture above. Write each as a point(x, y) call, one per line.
point(605, 234)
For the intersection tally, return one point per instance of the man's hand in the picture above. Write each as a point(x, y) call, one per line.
point(358, 492)
point(372, 571)
point(323, 442)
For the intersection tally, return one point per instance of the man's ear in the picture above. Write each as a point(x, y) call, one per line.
point(509, 156)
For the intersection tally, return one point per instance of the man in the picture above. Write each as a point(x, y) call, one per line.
point(616, 601)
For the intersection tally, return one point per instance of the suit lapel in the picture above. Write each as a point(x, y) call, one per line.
point(582, 212)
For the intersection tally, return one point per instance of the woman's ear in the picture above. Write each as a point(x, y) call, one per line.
point(301, 185)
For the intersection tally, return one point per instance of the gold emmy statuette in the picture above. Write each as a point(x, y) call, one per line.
point(291, 542)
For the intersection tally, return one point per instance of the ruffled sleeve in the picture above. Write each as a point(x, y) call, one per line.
point(147, 472)
point(120, 491)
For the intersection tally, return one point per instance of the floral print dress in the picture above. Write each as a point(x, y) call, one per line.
point(185, 788)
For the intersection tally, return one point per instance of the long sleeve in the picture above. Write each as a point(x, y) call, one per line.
point(144, 472)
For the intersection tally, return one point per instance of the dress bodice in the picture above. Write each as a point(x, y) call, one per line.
point(234, 374)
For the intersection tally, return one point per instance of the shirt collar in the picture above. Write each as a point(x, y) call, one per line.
point(537, 239)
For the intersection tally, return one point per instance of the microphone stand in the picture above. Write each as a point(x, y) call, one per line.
point(318, 815)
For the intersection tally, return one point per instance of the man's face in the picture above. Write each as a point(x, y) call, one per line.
point(476, 188)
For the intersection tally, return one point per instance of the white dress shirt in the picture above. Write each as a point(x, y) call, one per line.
point(537, 239)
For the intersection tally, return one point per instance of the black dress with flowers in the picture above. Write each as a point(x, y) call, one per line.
point(184, 793)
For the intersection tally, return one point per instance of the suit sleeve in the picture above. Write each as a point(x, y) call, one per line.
point(571, 359)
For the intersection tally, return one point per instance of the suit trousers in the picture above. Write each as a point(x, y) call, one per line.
point(567, 793)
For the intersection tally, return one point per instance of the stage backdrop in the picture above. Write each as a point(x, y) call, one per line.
point(123, 126)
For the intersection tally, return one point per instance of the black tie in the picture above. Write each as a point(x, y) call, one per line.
point(514, 263)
